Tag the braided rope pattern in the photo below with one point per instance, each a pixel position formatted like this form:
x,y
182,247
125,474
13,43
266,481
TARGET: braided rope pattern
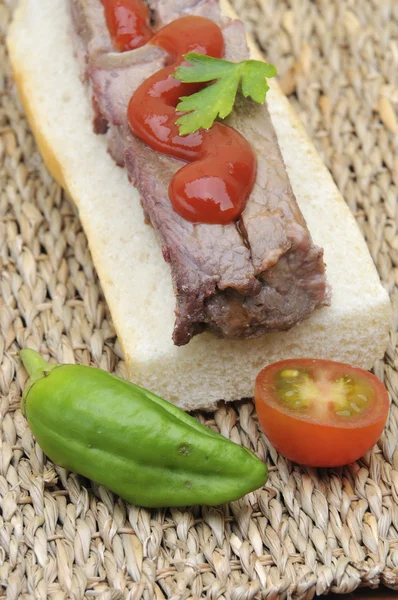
x,y
307,531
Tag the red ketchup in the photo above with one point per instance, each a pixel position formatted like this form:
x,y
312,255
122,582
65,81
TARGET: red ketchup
x,y
128,23
215,186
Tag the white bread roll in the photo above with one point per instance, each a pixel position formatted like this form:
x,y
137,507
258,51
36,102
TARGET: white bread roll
x,y
135,278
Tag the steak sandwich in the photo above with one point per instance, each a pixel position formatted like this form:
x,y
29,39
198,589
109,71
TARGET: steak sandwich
x,y
244,292
259,274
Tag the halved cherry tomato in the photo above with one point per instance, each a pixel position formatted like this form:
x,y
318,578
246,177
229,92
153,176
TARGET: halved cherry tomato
x,y
319,412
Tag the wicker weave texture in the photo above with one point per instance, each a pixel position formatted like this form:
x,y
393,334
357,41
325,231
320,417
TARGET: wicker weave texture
x,y
307,531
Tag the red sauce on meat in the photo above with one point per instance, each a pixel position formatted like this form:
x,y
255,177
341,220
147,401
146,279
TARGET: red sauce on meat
x,y
216,183
128,23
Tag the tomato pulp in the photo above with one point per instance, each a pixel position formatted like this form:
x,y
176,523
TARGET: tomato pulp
x,y
215,185
320,413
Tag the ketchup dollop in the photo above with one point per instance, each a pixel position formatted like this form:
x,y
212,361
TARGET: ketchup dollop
x,y
128,23
215,186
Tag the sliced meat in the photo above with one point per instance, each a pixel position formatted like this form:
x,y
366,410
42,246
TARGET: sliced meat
x,y
165,11
236,48
239,280
272,220
290,291
203,258
90,26
116,143
115,77
91,38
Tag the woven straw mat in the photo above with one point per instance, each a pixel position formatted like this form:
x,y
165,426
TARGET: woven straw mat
x,y
306,532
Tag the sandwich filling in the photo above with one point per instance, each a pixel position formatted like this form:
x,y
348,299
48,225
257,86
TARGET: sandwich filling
x,y
258,274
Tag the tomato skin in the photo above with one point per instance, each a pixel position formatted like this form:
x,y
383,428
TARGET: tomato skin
x,y
313,442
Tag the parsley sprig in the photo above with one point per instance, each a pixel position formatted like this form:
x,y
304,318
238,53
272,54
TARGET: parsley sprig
x,y
218,99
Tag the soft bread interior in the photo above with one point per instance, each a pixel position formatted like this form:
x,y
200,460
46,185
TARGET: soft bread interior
x,y
136,280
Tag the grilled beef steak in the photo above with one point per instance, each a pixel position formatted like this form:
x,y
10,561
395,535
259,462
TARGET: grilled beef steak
x,y
239,280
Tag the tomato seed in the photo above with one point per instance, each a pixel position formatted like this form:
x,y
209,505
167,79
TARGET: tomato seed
x,y
362,397
289,373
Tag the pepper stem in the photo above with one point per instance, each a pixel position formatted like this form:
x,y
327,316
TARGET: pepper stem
x,y
35,365
37,368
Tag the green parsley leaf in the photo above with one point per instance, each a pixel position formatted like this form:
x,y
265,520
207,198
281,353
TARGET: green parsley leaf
x,y
218,99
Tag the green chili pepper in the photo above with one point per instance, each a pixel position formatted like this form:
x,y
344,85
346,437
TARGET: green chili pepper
x,y
138,445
